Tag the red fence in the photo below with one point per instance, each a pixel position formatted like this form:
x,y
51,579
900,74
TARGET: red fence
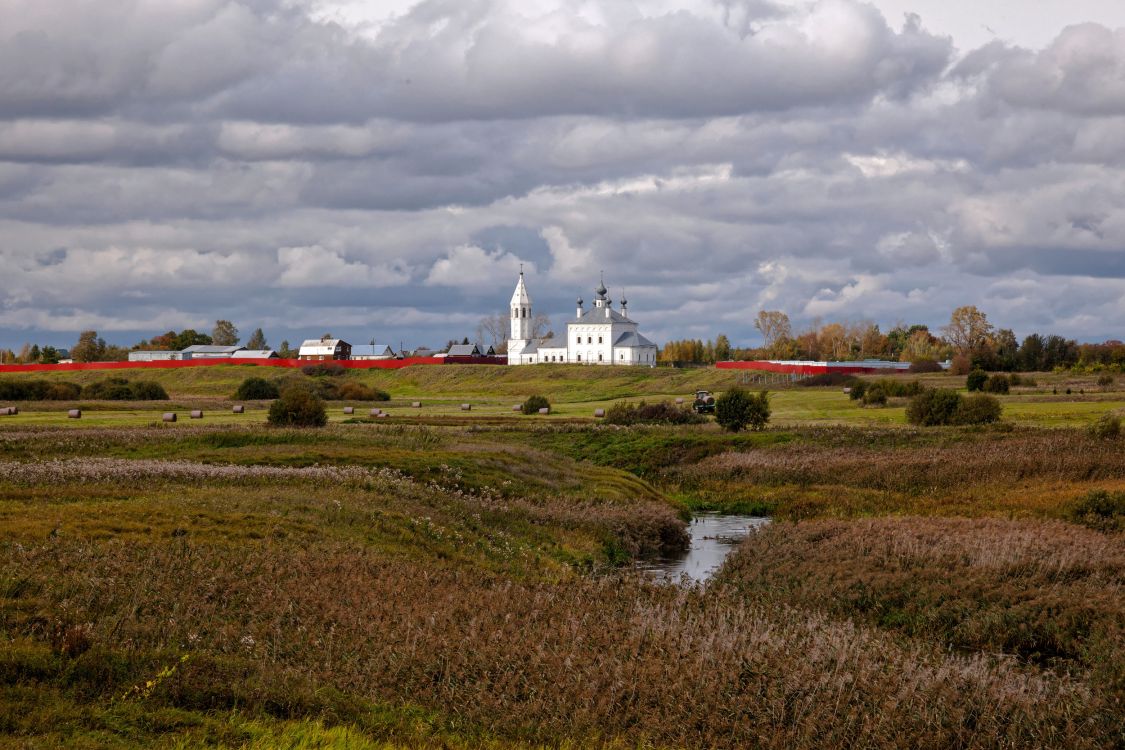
x,y
812,368
351,364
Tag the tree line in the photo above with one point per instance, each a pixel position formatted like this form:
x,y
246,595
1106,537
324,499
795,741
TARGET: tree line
x,y
969,341
91,347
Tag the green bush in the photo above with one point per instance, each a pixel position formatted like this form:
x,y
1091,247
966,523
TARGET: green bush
x,y
976,380
120,389
1107,427
353,391
322,369
876,395
978,408
933,407
1105,380
255,388
858,390
534,403
298,407
661,412
998,384
1101,510
63,392
738,410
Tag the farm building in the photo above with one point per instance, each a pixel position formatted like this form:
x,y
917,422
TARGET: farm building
x,y
159,355
255,354
372,351
325,348
209,351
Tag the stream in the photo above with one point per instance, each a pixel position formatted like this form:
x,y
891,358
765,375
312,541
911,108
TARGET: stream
x,y
713,537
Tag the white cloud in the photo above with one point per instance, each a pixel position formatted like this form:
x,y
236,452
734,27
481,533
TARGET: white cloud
x,y
472,268
316,266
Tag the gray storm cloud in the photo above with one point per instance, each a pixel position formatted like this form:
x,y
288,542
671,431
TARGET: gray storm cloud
x,y
164,164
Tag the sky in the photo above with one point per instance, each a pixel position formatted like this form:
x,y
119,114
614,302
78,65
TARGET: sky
x,y
382,169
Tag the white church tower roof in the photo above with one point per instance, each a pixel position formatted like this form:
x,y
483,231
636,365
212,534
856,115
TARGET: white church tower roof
x,y
520,297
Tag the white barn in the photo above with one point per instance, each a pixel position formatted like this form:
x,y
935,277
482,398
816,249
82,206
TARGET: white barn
x,y
324,348
599,336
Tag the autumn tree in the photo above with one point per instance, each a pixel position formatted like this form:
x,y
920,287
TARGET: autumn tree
x,y
722,348
774,326
257,340
89,347
921,346
224,333
968,330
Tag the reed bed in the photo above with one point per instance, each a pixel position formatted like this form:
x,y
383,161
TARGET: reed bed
x,y
908,465
596,661
1047,592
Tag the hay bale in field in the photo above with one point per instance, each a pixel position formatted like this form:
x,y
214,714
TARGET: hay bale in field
x,y
599,412
545,410
680,400
74,414
9,411
197,414
382,414
416,404
3,412
375,412
239,409
517,407
349,410
466,407
169,416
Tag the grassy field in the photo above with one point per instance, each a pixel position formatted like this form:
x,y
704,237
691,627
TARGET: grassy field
x,y
449,579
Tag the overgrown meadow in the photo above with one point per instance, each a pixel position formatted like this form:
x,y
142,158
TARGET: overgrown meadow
x,y
427,580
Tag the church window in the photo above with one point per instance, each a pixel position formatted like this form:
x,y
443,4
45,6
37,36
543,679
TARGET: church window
x,y
599,339
599,357
579,357
589,339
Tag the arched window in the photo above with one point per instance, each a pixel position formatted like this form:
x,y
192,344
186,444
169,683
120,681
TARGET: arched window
x,y
579,357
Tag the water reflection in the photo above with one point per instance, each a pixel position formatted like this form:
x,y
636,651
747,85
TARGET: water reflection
x,y
713,537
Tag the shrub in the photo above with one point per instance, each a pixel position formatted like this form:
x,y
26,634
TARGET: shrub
x,y
255,388
997,384
959,365
979,408
737,410
353,391
1107,427
933,407
1101,510
925,365
62,392
976,380
534,404
661,412
896,388
876,395
835,379
1105,380
120,389
858,390
298,407
321,369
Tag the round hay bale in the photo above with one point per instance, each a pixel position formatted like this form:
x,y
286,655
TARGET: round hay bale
x,y
545,410
382,415
239,409
517,407
169,416
197,414
680,400
74,414
466,407
417,404
375,412
349,410
4,412
599,412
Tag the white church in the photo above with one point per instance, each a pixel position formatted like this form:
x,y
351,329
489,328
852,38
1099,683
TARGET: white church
x,y
599,336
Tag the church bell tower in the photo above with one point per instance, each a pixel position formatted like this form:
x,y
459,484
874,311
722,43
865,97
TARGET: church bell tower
x,y
521,311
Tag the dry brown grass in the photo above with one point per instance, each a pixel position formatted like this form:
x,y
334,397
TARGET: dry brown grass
x,y
1048,592
593,660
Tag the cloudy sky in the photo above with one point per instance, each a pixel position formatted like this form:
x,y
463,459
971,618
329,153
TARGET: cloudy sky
x,y
381,169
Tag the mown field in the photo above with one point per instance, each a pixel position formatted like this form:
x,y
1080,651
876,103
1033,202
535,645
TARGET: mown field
x,y
447,579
